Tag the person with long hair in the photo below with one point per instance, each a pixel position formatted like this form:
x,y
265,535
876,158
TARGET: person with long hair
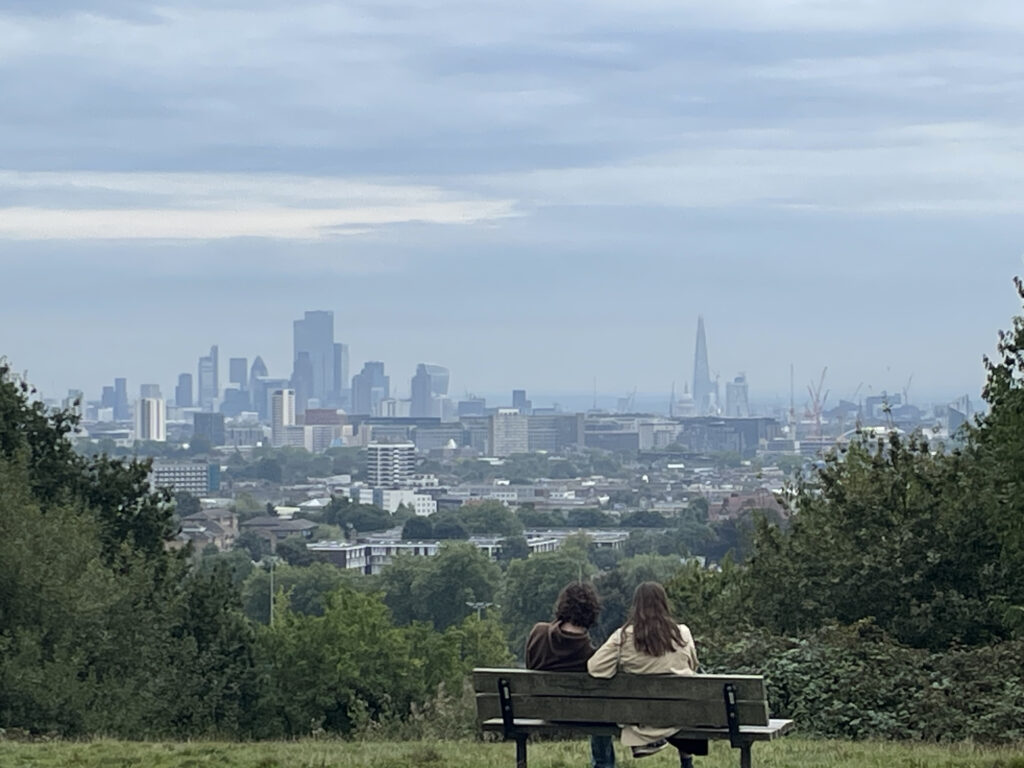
x,y
563,645
650,643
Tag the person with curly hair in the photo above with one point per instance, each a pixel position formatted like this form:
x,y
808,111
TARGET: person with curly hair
x,y
563,645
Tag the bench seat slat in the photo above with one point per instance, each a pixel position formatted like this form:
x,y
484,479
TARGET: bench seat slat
x,y
656,712
773,730
580,684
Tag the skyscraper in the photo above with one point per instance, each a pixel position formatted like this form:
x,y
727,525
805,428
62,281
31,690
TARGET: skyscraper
x,y
302,381
282,415
149,390
238,372
520,403
369,387
705,391
150,419
258,371
209,386
340,372
737,403
429,383
183,392
314,336
122,411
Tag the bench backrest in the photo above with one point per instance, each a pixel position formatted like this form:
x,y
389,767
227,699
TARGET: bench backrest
x,y
656,700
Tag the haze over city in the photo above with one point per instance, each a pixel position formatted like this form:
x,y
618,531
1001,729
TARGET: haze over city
x,y
530,195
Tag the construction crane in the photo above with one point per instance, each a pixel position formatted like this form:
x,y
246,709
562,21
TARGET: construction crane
x,y
817,405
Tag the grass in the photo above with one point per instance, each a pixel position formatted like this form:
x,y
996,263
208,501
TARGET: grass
x,y
786,753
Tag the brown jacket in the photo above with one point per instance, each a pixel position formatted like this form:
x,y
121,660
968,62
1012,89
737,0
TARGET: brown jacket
x,y
550,647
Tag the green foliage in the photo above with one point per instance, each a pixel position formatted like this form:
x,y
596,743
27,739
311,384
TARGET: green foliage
x,y
418,528
532,585
855,682
437,590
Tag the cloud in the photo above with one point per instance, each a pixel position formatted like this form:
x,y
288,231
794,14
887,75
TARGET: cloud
x,y
216,206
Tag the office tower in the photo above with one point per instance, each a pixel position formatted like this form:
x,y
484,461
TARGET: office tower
x,y
520,403
509,432
390,464
150,419
107,399
302,381
705,391
314,336
262,395
369,387
737,404
340,372
209,386
258,371
122,411
183,392
429,384
238,372
150,390
282,415
209,426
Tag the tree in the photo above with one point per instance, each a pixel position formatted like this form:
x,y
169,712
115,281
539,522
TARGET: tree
x,y
185,504
418,528
439,589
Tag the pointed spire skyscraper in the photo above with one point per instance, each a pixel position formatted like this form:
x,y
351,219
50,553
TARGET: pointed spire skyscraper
x,y
705,396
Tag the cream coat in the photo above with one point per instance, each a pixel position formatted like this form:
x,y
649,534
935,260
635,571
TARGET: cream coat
x,y
619,653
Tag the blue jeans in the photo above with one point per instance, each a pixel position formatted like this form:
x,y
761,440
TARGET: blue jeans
x,y
602,752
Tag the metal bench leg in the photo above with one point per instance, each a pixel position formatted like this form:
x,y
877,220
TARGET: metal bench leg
x,y
745,755
520,750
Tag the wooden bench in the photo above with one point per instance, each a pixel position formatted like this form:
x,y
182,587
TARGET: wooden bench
x,y
518,702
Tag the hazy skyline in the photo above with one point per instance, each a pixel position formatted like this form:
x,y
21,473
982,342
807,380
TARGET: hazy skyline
x,y
529,194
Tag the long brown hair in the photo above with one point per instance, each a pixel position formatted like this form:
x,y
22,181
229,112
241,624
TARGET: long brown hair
x,y
654,631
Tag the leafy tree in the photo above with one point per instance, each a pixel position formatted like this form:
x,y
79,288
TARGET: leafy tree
x,y
643,518
293,551
588,518
514,548
489,517
185,504
418,528
439,589
532,585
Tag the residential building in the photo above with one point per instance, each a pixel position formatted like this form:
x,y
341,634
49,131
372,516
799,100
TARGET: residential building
x,y
151,419
282,415
196,477
509,432
209,426
390,464
217,526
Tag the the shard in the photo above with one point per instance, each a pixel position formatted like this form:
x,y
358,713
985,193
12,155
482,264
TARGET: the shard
x,y
705,392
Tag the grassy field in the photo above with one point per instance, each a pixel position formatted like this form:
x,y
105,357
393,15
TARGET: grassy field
x,y
789,752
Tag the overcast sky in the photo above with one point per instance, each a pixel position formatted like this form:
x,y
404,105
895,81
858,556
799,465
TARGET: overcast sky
x,y
532,193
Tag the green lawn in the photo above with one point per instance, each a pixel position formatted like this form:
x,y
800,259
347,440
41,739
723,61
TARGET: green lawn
x,y
789,752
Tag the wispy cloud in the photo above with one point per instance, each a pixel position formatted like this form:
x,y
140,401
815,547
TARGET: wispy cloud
x,y
84,205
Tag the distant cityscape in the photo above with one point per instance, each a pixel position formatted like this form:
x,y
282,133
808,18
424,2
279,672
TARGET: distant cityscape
x,y
320,404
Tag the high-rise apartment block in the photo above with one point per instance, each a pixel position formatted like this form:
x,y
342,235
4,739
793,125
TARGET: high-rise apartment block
x,y
390,464
509,432
150,419
282,415
209,426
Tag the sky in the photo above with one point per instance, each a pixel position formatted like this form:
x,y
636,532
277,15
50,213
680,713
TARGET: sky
x,y
533,194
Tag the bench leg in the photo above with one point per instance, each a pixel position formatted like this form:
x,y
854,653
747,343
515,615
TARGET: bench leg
x,y
520,750
745,755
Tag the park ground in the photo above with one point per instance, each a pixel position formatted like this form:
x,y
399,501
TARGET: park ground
x,y
786,753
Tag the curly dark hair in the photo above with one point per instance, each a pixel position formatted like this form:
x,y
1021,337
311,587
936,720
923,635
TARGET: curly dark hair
x,y
578,604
